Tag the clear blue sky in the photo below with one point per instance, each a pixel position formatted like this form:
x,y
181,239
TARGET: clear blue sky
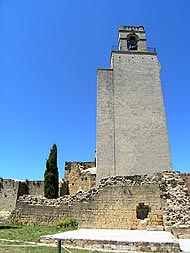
x,y
49,53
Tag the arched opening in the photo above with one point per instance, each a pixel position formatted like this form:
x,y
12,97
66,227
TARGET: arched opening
x,y
132,41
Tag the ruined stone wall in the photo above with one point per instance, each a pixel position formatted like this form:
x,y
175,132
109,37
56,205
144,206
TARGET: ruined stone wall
x,y
124,202
8,194
78,176
186,178
11,190
176,204
114,206
63,187
121,202
36,187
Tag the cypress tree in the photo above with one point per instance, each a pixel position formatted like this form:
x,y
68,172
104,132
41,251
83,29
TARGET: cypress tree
x,y
51,176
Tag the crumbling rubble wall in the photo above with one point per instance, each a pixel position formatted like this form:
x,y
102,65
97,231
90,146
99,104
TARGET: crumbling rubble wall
x,y
186,178
176,204
112,206
124,202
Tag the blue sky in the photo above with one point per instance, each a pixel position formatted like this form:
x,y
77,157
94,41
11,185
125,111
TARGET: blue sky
x,y
49,54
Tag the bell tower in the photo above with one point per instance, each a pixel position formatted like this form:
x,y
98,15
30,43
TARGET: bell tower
x,y
132,38
132,136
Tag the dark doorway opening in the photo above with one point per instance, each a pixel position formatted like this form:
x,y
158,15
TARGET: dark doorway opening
x,y
142,211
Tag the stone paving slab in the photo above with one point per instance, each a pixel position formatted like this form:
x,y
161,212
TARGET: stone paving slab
x,y
116,235
120,240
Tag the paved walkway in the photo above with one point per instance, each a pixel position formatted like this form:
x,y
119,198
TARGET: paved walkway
x,y
122,236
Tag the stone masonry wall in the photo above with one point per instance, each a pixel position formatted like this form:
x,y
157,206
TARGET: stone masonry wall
x,y
141,138
176,206
78,176
114,206
36,187
131,122
186,178
125,202
105,124
8,194
11,189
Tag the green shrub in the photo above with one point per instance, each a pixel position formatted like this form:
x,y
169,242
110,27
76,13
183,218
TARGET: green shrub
x,y
68,223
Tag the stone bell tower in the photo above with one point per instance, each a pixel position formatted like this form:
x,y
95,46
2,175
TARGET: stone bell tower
x,y
132,135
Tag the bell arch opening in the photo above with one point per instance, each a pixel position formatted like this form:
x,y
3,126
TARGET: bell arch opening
x,y
132,42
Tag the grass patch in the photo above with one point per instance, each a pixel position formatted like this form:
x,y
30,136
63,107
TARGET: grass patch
x,y
27,233
26,249
20,234
20,248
